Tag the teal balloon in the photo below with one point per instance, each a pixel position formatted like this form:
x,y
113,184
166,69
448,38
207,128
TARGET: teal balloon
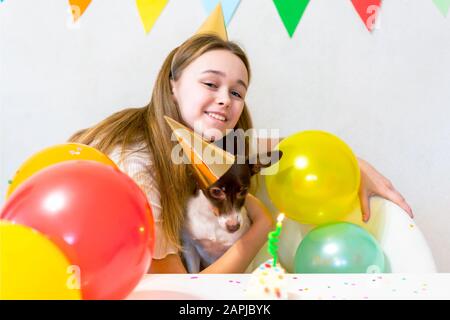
x,y
339,248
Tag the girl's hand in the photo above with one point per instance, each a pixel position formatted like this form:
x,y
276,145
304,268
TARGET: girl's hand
x,y
373,183
257,212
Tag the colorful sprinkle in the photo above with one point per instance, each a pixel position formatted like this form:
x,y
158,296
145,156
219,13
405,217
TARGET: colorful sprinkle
x,y
194,277
277,292
9,181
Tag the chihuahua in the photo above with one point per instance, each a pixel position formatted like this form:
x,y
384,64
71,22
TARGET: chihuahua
x,y
216,217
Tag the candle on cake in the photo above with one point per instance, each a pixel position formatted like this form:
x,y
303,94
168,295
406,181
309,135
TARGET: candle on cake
x,y
274,237
268,281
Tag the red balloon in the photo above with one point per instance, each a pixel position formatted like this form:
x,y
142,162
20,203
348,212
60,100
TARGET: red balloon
x,y
99,218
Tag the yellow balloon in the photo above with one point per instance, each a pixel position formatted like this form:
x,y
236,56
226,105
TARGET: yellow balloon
x,y
317,180
32,267
53,155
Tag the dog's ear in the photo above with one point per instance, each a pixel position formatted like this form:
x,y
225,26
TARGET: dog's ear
x,y
263,160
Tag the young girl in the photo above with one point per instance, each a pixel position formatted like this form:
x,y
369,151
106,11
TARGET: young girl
x,y
202,84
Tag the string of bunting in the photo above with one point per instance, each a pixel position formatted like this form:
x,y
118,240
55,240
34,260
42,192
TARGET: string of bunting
x,y
290,11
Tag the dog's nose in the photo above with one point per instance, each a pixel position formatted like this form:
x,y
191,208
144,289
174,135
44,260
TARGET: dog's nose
x,y
233,227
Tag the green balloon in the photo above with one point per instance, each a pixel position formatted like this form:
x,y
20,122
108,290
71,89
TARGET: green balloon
x,y
339,248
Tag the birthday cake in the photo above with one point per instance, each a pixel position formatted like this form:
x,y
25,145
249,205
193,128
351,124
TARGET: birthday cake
x,y
267,282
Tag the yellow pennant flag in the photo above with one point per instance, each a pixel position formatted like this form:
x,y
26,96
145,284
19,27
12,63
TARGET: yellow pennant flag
x,y
78,7
149,10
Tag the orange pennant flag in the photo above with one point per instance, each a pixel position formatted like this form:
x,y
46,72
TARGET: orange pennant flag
x,y
78,7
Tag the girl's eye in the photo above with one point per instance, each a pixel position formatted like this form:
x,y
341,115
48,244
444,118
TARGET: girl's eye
x,y
209,84
217,193
237,94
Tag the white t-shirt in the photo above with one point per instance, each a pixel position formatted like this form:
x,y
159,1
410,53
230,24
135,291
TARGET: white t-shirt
x,y
138,165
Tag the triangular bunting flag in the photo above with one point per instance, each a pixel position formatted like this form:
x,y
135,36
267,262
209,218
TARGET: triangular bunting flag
x,y
150,10
215,24
443,6
228,7
78,7
368,11
291,11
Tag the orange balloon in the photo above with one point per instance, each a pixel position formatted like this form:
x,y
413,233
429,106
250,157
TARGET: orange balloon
x,y
53,155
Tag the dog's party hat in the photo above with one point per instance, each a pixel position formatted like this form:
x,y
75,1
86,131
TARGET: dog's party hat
x,y
215,24
208,161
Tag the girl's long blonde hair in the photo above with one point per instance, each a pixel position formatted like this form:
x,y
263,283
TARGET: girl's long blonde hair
x,y
147,124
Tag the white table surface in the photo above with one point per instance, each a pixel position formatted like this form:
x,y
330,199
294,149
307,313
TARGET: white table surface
x,y
300,286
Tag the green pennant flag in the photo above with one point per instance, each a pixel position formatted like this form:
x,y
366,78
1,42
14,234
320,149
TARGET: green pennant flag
x,y
291,11
443,6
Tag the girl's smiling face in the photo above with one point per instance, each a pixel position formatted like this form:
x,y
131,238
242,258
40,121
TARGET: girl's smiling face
x,y
210,92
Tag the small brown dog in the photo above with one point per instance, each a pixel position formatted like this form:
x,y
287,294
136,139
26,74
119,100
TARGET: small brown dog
x,y
216,217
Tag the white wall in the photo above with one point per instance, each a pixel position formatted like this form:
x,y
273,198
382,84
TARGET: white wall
x,y
386,94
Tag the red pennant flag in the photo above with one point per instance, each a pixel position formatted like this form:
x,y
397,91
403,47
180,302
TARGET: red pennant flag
x,y
368,11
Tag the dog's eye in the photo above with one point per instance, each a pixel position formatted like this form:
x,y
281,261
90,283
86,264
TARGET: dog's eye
x,y
217,193
243,192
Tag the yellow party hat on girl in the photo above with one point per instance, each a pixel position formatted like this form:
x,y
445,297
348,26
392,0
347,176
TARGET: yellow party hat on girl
x,y
215,24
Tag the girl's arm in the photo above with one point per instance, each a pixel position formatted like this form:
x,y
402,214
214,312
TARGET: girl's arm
x,y
374,183
170,264
240,255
